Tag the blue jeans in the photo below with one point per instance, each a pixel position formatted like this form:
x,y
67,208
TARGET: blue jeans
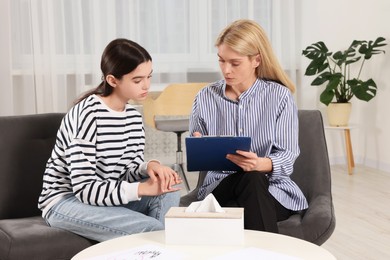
x,y
103,223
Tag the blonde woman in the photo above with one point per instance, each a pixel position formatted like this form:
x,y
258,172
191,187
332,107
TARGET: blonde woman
x,y
254,99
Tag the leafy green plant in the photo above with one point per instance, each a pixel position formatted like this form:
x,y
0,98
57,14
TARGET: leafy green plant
x,y
333,69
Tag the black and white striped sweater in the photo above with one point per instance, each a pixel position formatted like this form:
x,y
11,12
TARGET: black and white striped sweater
x,y
98,156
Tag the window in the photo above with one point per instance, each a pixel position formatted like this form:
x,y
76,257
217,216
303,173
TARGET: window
x,y
57,44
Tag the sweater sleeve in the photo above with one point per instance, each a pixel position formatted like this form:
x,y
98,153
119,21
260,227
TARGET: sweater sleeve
x,y
91,188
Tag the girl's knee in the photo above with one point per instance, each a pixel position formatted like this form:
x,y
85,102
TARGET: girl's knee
x,y
172,198
155,226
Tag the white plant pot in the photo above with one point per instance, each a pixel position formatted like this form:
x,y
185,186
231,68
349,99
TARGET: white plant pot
x,y
339,113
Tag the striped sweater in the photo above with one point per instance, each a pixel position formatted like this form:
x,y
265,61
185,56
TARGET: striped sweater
x,y
267,113
98,156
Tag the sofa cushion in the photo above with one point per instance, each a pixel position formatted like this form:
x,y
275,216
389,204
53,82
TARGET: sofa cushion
x,y
31,238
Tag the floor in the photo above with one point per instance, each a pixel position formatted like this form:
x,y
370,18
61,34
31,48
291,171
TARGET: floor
x,y
362,208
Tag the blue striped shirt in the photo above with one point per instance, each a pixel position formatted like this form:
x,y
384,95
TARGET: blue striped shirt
x,y
267,113
98,156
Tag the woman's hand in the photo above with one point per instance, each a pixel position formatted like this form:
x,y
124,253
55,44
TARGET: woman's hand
x,y
162,179
197,134
249,161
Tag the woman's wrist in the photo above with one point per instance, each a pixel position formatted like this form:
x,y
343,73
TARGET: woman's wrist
x,y
265,164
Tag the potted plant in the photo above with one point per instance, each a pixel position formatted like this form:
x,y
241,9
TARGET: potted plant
x,y
334,70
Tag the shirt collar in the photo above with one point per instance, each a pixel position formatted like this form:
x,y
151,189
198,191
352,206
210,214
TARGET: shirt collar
x,y
243,95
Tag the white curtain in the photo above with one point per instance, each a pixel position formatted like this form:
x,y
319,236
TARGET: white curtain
x,y
52,48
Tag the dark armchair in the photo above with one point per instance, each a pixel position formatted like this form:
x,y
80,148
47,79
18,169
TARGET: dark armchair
x,y
25,146
313,176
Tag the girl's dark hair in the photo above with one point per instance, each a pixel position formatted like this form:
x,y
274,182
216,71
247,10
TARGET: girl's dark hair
x,y
120,57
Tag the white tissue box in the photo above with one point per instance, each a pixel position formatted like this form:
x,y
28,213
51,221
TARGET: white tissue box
x,y
207,228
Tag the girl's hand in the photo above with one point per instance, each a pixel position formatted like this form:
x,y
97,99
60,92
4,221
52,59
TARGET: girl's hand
x,y
152,188
165,176
249,161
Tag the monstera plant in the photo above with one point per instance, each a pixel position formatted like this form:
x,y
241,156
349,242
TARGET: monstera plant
x,y
334,70
341,71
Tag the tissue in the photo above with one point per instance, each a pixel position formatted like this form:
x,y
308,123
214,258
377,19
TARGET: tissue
x,y
209,204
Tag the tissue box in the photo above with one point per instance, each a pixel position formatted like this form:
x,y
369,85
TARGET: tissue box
x,y
207,228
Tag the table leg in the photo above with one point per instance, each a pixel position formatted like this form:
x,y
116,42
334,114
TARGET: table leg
x,y
348,147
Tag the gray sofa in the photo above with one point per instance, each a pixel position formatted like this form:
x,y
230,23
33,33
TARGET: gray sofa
x,y
312,174
25,145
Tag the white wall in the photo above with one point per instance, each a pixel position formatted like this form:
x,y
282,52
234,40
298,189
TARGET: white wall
x,y
337,23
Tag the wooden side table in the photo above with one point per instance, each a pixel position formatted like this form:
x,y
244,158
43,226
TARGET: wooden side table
x,y
348,145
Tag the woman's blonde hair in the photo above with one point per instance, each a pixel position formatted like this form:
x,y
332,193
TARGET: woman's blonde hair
x,y
248,38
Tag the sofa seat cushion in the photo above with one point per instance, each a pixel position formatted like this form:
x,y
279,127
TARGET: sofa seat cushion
x,y
31,238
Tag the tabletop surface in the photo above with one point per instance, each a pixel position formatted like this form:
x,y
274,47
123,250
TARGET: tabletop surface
x,y
267,245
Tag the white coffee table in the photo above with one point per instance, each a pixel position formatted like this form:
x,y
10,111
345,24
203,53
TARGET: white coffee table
x,y
253,239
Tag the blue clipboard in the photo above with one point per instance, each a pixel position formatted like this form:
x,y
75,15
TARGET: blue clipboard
x,y
208,153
